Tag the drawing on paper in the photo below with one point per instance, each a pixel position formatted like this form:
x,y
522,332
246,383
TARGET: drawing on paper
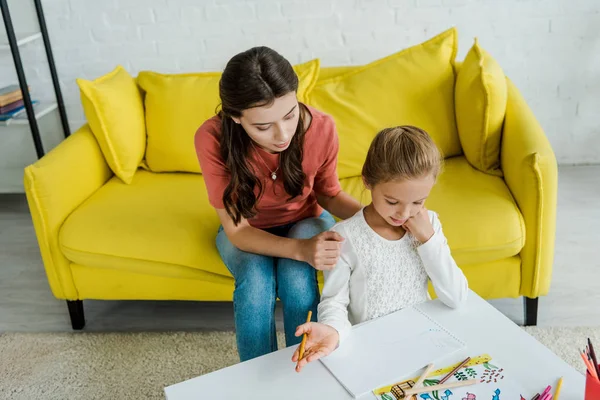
x,y
493,384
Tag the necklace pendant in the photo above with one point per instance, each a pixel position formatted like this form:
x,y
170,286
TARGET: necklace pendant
x,y
274,176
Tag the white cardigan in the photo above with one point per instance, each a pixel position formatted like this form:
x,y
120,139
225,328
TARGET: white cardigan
x,y
375,276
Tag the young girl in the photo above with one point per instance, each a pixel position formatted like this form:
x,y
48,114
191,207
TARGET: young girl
x,y
392,248
269,165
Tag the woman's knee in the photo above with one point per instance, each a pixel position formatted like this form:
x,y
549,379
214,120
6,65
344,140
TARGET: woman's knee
x,y
255,288
240,262
296,282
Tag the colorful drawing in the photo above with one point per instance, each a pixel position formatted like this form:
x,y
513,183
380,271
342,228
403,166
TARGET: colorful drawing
x,y
468,373
398,390
477,360
447,394
489,366
493,381
436,396
492,375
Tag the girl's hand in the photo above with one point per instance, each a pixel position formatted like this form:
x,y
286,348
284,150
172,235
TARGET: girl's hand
x,y
420,226
321,340
322,251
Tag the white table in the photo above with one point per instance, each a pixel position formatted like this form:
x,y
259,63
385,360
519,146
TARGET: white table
x,y
478,324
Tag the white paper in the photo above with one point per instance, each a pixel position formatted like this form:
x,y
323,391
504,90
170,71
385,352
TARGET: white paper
x,y
388,348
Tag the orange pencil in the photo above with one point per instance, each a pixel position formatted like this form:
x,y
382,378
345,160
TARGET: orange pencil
x,y
588,364
303,343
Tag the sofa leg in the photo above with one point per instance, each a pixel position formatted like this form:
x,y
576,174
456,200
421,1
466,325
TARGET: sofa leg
x,y
531,310
76,314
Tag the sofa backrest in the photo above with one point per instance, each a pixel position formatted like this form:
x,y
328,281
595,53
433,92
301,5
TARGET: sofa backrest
x,y
412,87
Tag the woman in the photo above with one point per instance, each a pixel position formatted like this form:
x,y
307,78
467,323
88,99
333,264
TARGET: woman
x,y
269,165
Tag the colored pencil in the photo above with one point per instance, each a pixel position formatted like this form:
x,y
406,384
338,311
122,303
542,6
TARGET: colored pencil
x,y
594,360
422,378
303,343
459,366
558,386
545,392
587,363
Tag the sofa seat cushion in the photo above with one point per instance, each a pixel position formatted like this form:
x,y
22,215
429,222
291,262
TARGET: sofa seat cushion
x,y
479,215
160,224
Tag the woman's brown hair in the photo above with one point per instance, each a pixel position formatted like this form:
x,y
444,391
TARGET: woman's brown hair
x,y
402,152
255,78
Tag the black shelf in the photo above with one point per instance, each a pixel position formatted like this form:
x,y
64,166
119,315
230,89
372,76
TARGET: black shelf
x,y
16,55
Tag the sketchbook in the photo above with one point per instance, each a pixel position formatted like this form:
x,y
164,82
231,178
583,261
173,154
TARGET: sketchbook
x,y
388,348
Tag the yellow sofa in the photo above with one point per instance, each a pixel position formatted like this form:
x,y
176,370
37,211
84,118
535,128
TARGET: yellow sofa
x,y
153,238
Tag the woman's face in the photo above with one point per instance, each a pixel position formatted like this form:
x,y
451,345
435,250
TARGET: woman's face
x,y
273,126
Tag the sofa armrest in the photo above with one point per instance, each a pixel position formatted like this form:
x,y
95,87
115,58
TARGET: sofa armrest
x,y
530,171
55,186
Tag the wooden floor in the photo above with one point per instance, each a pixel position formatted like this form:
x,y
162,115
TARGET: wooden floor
x,y
26,303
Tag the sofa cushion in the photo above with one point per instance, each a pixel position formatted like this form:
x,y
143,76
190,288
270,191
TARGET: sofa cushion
x,y
176,106
114,109
481,95
160,224
414,86
479,215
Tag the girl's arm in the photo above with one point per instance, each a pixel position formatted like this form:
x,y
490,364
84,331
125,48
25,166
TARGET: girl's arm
x,y
333,327
448,280
320,251
335,298
341,205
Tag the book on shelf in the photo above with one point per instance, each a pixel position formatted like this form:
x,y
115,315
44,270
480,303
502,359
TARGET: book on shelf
x,y
12,106
19,113
10,94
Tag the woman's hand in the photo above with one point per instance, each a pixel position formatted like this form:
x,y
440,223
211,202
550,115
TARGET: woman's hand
x,y
420,226
320,341
321,251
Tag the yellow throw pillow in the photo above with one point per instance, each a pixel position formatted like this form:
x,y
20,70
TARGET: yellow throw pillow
x,y
176,106
114,109
412,87
481,96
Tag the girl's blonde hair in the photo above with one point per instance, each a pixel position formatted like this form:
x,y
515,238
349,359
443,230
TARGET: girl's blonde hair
x,y
399,153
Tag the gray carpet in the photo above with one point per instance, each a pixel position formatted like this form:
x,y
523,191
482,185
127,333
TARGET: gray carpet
x,y
139,365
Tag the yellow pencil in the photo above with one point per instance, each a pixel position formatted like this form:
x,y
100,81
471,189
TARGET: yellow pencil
x,y
557,392
303,343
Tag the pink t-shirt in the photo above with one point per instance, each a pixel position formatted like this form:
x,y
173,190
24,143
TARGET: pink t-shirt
x,y
273,208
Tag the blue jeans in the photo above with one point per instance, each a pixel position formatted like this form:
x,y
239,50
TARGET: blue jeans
x,y
260,280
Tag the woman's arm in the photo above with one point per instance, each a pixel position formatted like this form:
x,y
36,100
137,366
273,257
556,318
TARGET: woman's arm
x,y
321,251
341,205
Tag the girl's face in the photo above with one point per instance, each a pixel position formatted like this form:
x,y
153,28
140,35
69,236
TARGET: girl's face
x,y
397,201
272,127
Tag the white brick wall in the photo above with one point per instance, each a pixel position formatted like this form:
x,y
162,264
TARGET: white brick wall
x,y
549,48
